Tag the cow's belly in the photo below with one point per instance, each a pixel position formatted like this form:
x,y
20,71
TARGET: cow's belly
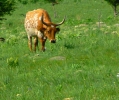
x,y
32,32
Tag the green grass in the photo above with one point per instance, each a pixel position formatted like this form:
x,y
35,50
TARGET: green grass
x,y
82,65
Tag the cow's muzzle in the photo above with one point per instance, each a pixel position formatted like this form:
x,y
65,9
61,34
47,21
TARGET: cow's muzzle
x,y
53,41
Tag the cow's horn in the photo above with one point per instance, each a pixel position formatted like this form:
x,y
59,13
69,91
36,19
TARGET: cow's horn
x,y
47,24
61,22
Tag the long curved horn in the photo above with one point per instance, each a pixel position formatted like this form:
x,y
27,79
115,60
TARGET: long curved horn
x,y
61,22
47,24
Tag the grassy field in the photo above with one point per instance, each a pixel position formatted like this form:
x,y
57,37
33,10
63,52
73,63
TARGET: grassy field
x,y
82,65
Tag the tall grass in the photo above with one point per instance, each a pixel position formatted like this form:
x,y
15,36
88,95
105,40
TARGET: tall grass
x,y
82,65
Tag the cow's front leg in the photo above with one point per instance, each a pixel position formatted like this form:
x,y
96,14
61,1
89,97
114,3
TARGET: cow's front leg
x,y
42,41
35,43
30,42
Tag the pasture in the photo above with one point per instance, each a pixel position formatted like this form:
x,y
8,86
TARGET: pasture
x,y
82,65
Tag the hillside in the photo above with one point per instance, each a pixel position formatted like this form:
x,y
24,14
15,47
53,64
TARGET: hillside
x,y
82,65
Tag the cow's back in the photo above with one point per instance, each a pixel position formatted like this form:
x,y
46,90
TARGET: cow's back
x,y
33,19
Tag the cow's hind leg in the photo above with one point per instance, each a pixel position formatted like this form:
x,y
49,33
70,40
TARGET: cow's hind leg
x,y
35,43
30,42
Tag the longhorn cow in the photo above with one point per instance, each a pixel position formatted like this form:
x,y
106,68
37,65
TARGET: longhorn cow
x,y
38,25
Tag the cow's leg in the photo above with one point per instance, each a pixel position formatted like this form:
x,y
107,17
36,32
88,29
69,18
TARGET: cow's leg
x,y
35,43
30,42
42,41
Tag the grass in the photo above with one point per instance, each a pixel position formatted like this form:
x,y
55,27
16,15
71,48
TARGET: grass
x,y
82,65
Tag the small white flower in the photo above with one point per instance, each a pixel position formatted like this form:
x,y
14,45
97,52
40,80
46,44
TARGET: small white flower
x,y
18,95
117,74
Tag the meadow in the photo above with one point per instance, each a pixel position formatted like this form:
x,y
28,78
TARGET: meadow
x,y
82,65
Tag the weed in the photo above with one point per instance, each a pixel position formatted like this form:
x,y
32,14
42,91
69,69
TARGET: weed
x,y
12,62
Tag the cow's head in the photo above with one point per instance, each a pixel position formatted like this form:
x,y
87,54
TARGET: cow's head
x,y
51,30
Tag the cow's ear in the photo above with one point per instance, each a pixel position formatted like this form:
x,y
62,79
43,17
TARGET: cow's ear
x,y
58,29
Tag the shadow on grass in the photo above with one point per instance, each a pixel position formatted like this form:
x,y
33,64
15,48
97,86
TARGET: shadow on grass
x,y
69,46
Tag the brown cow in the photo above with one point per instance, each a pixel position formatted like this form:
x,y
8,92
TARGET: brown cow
x,y
38,25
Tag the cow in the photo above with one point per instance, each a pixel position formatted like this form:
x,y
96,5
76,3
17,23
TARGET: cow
x,y
38,25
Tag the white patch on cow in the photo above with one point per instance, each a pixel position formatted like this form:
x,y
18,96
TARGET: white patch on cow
x,y
35,24
29,23
52,25
40,34
35,17
31,32
40,18
44,38
35,21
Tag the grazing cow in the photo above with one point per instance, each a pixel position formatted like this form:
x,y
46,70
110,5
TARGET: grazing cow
x,y
38,25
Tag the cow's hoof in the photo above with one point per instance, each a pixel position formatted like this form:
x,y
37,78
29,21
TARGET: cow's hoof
x,y
43,49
